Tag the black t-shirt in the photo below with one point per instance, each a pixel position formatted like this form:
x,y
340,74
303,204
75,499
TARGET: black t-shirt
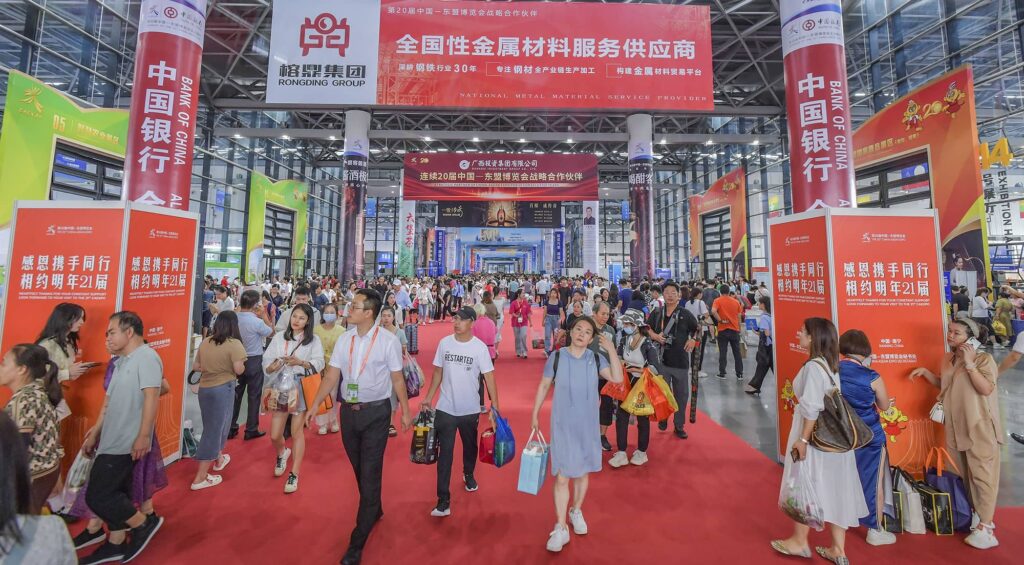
x,y
962,302
686,326
564,293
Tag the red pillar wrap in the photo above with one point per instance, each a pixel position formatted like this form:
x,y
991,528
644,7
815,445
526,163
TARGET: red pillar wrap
x,y
817,105
165,97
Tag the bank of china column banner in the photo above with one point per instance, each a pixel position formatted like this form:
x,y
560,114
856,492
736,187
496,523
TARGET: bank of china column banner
x,y
729,191
36,118
938,122
289,194
434,53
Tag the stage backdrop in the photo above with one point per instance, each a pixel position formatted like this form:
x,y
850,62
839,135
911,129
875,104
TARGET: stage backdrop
x,y
729,191
848,265
498,176
939,121
289,194
499,214
434,53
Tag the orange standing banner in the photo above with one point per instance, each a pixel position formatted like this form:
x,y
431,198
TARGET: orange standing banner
x,y
938,122
58,254
159,277
729,191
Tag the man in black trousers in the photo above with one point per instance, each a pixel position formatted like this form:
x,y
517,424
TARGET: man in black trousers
x,y
368,362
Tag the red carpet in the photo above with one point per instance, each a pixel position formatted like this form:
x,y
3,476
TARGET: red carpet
x,y
709,499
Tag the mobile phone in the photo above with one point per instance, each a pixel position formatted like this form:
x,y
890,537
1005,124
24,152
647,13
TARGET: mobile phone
x,y
973,342
795,455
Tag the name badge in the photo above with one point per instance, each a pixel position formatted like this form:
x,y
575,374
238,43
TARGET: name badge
x,y
352,393
519,320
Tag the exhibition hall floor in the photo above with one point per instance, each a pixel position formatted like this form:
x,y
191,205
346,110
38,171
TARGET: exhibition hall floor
x,y
709,499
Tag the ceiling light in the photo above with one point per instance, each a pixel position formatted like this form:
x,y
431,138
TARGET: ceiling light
x,y
375,150
521,140
442,149
427,138
237,136
709,142
664,141
476,140
400,151
604,188
599,153
568,140
331,137
860,94
756,142
285,137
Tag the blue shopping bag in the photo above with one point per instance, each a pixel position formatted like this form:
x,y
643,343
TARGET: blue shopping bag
x,y
504,441
533,464
951,484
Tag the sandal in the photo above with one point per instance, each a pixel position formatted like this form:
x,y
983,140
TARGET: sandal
x,y
221,462
839,560
780,546
209,481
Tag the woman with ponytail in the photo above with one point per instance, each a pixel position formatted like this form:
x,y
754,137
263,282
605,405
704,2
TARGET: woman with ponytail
x,y
30,374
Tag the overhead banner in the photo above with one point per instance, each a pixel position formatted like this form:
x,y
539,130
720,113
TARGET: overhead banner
x,y
290,195
500,214
165,98
938,121
436,53
498,176
406,251
817,103
729,191
440,250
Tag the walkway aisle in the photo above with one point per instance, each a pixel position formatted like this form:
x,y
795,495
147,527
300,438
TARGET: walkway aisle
x,y
710,499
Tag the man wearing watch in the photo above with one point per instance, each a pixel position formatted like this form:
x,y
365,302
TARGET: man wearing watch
x,y
675,329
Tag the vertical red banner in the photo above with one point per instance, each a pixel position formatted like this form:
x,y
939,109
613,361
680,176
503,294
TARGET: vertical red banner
x,y
60,254
165,97
729,191
799,257
817,104
159,268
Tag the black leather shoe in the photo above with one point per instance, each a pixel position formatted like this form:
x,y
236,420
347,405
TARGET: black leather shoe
x,y
1017,438
254,435
233,433
352,557
681,434
663,425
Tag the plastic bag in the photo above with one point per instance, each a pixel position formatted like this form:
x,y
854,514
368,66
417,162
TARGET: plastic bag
x,y
663,409
281,395
798,500
533,464
637,403
537,341
617,391
504,441
425,447
78,473
189,445
413,376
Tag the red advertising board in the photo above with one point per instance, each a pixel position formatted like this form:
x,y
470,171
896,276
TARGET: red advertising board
x,y
58,254
498,176
888,262
729,191
165,98
158,281
799,260
937,122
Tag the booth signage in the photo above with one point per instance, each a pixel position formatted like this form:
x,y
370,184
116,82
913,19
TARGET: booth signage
x,y
500,214
729,191
435,53
499,176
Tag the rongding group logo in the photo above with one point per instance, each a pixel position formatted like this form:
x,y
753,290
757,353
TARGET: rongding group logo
x,y
324,32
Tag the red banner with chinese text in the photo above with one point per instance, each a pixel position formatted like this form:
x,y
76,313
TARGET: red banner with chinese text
x,y
938,122
729,191
158,282
498,176
165,97
60,254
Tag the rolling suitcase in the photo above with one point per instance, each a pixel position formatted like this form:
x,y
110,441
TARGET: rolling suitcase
x,y
412,333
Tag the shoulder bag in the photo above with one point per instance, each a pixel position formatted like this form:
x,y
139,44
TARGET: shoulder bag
x,y
838,429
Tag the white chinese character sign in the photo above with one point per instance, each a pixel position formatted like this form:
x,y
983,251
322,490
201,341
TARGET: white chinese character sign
x,y
165,97
490,55
817,104
876,271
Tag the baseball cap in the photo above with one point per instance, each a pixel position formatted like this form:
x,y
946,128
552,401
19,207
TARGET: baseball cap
x,y
466,313
396,282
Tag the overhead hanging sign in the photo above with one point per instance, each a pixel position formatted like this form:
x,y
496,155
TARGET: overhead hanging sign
x,y
487,55
482,176
500,214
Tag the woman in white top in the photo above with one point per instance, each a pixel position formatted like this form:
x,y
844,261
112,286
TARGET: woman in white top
x,y
425,299
291,355
387,322
981,313
500,302
696,306
636,352
392,302
833,476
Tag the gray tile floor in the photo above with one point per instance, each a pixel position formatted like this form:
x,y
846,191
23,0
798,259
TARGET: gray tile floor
x,y
753,417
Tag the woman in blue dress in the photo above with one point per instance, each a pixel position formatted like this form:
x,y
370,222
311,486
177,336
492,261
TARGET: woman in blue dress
x,y
865,390
575,422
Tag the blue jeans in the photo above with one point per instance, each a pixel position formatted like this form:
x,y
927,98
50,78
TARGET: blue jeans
x,y
424,311
550,327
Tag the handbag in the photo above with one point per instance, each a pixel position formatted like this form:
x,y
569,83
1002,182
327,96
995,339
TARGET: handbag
x,y
310,385
189,445
533,464
937,413
425,447
950,483
938,509
537,342
913,513
894,523
838,429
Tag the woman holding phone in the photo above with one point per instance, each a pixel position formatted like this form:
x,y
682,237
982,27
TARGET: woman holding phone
x,y
833,476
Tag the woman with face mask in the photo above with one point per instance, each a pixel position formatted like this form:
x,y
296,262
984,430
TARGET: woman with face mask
x,y
865,390
329,330
974,429
636,352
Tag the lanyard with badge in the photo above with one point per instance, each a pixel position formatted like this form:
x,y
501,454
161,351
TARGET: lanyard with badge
x,y
352,387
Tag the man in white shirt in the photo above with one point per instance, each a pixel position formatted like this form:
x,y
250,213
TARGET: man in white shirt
x,y
458,363
368,363
302,296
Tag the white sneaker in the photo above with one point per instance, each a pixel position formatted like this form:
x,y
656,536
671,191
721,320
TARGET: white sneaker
x,y
292,484
982,538
639,457
221,462
282,462
619,460
209,481
558,538
335,428
975,520
322,431
701,374
579,525
881,537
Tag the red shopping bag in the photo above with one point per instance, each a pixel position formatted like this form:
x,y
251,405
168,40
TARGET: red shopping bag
x,y
487,446
617,391
662,406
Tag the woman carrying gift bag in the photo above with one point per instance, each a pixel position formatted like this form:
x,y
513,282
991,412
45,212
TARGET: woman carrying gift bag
x,y
292,354
575,445
832,477
636,352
